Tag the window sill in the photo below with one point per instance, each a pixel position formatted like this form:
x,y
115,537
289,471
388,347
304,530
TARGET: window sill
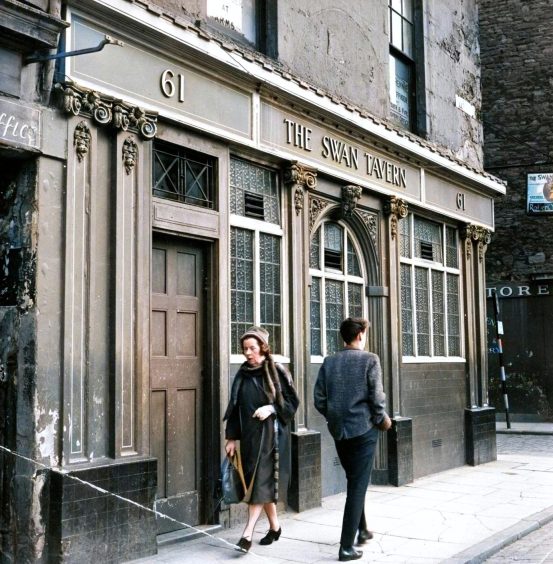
x,y
432,359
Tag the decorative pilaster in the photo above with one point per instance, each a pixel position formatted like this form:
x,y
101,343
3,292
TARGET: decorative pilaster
x,y
299,178
396,209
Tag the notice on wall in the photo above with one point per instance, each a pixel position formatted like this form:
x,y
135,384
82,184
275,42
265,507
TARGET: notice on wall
x,y
540,192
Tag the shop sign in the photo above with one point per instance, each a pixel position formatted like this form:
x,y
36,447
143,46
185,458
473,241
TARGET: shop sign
x,y
511,290
19,124
540,192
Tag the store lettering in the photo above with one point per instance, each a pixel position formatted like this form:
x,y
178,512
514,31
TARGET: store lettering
x,y
345,154
12,128
518,291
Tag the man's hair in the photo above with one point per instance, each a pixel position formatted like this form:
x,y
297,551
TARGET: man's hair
x,y
351,327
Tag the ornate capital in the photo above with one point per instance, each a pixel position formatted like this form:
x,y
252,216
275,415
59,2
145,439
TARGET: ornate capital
x,y
350,196
130,152
397,209
476,234
300,177
105,110
81,140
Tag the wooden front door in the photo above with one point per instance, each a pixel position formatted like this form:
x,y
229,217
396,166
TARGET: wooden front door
x,y
176,363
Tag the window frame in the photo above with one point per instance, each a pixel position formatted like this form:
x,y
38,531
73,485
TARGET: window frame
x,y
258,226
432,266
331,274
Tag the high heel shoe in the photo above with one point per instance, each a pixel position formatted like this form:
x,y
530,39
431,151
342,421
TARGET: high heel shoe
x,y
271,536
244,544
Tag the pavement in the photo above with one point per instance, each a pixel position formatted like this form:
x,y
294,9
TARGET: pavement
x,y
463,515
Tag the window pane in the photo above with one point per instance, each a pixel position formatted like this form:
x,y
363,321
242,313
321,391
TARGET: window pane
x,y
334,299
315,251
270,289
408,10
396,39
407,39
396,5
406,311
438,314
453,328
241,285
183,175
355,300
354,267
400,88
422,311
315,317
405,237
260,182
333,246
452,255
428,240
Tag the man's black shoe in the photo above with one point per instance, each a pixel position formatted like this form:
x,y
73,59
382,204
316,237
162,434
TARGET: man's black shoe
x,y
364,536
349,553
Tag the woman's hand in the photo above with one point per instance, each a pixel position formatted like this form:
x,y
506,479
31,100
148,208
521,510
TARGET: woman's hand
x,y
230,447
263,412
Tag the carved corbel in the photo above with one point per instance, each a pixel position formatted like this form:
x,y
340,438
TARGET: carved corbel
x,y
397,209
105,110
300,177
484,238
351,194
130,153
316,207
470,234
81,140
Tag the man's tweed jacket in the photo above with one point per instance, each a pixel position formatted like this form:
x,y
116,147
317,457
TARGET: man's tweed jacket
x,y
349,393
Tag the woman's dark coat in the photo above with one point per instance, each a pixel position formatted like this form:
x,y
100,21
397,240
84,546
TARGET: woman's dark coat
x,y
248,393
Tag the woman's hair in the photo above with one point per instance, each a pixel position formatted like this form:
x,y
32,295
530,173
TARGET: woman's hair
x,y
351,327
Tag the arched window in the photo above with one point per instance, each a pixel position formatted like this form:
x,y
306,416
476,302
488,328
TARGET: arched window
x,y
337,285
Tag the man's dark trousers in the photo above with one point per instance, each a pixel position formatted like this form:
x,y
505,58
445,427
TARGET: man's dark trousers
x,y
356,456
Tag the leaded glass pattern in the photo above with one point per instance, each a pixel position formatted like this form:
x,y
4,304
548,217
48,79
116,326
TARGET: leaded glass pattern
x,y
354,267
405,238
334,301
438,313
315,251
183,175
255,179
406,311
355,300
270,288
242,287
428,233
452,254
315,317
453,319
422,311
333,237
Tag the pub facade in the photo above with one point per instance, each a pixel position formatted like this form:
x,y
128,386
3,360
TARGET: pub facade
x,y
187,190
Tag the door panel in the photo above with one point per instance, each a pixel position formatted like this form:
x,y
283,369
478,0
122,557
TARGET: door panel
x,y
176,379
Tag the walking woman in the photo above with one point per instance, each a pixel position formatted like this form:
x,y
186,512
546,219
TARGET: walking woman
x,y
262,403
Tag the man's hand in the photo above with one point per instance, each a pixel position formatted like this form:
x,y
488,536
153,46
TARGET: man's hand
x,y
385,424
230,447
263,412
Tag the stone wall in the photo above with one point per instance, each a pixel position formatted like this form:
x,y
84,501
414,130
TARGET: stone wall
x,y
517,47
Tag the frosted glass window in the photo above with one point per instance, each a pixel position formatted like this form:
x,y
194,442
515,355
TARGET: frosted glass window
x,y
242,289
452,253
422,311
315,317
453,319
406,311
404,238
355,300
334,299
269,288
438,313
315,250
354,267
428,240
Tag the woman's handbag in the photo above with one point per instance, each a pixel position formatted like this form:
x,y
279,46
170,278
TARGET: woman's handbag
x,y
232,479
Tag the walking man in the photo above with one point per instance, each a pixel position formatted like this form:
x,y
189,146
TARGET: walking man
x,y
349,394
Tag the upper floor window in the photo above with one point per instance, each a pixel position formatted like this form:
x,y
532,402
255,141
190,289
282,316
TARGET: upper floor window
x,y
337,285
402,62
183,175
252,20
430,289
255,253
